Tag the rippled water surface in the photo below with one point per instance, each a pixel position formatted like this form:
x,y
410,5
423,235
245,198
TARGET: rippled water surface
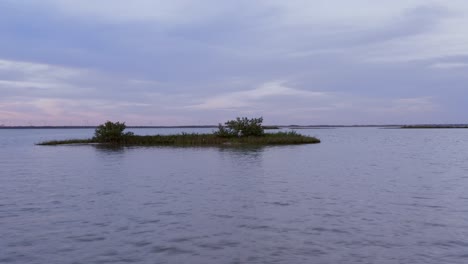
x,y
364,195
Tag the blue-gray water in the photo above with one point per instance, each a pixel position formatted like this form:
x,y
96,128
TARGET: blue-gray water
x,y
364,195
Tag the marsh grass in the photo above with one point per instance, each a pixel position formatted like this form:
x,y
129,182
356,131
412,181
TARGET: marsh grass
x,y
67,141
193,139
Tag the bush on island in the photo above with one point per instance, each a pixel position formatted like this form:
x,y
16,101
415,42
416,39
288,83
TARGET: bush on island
x,y
241,127
110,132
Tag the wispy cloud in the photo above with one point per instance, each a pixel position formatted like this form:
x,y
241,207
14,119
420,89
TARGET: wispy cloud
x,y
249,98
412,105
449,65
38,70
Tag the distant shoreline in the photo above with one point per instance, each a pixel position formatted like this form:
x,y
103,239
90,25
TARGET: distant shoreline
x,y
265,127
433,126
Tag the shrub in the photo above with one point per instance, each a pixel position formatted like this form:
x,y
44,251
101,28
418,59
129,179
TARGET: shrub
x,y
241,127
223,132
110,132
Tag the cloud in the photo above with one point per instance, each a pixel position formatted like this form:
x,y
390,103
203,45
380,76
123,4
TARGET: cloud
x,y
449,65
441,36
199,62
37,80
293,12
250,98
38,91
33,80
281,104
409,105
172,13
37,71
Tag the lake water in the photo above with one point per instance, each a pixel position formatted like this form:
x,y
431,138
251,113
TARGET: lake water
x,y
364,195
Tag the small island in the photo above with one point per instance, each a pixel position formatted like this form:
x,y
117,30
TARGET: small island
x,y
238,132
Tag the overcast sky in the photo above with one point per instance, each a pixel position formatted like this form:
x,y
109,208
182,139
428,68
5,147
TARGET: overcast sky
x,y
149,62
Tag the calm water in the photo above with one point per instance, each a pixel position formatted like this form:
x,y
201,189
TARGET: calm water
x,y
364,195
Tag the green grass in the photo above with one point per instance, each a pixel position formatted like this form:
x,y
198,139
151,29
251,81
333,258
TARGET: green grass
x,y
281,138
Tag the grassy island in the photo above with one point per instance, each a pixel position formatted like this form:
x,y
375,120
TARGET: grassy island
x,y
242,131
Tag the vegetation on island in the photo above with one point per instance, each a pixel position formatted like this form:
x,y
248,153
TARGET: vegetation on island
x,y
111,132
241,127
241,131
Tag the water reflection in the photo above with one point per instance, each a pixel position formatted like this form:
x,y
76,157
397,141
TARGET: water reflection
x,y
239,151
109,148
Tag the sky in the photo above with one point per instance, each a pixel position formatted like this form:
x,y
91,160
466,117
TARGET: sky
x,y
182,62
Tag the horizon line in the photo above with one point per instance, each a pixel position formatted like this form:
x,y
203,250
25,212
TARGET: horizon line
x,y
214,126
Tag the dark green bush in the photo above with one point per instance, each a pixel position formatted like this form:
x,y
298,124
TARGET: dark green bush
x,y
241,127
224,132
110,132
